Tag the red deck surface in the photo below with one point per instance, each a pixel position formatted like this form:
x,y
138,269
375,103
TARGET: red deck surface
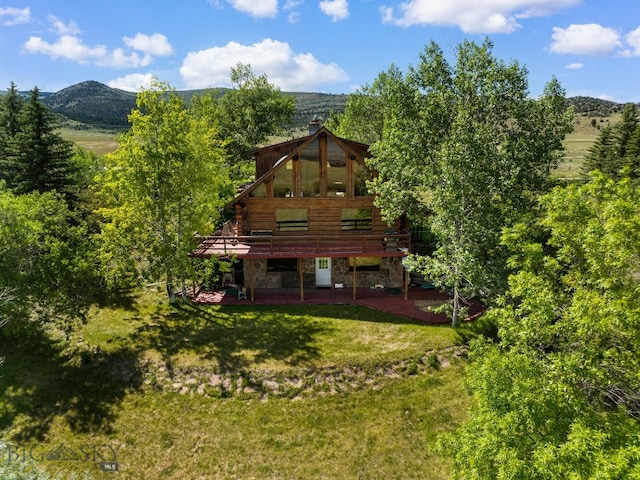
x,y
416,307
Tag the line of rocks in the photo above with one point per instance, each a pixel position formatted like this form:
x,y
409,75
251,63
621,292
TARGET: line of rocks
x,y
294,384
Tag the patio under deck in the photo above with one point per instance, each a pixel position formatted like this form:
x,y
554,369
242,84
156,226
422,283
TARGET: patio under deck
x,y
415,307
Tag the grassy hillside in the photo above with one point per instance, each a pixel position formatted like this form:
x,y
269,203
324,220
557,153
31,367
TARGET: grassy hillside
x,y
92,140
577,143
242,392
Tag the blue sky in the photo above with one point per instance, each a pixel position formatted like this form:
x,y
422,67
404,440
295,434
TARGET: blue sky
x,y
332,46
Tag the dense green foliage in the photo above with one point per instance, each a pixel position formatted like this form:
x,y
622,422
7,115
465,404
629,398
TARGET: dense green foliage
x,y
34,155
465,148
245,116
559,395
10,106
366,109
616,151
166,181
47,266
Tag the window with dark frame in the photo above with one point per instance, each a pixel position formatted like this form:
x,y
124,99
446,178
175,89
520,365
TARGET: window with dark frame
x,y
365,264
282,265
292,220
356,219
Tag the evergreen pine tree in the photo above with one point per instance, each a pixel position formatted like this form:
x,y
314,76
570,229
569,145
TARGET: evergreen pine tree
x,y
10,106
601,153
37,157
625,128
632,159
616,147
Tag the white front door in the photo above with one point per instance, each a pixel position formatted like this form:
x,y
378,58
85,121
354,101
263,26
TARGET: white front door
x,y
323,271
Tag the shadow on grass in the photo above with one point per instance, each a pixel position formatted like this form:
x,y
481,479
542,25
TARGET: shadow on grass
x,y
236,339
482,326
124,299
349,312
39,384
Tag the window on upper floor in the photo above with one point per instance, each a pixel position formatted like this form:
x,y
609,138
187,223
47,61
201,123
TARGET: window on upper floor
x,y
291,220
310,170
322,169
336,170
260,191
357,218
283,183
360,176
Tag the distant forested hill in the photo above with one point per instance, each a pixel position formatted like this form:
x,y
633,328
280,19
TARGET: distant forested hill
x,y
98,105
93,104
594,107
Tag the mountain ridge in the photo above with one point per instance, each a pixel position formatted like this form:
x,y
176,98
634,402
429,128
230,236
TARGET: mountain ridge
x,y
95,105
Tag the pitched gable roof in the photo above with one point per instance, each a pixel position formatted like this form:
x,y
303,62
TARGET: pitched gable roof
x,y
270,159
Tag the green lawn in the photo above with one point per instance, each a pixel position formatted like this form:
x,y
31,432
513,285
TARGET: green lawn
x,y
237,392
578,143
98,142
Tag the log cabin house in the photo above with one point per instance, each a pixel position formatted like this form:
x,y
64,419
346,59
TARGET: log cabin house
x,y
308,221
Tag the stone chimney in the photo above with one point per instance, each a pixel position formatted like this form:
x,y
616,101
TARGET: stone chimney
x,y
314,125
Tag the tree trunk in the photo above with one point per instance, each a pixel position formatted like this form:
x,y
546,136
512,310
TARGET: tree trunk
x,y
183,286
455,314
183,282
171,293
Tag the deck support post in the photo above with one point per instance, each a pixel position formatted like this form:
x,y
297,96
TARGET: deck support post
x,y
406,283
251,278
301,278
355,285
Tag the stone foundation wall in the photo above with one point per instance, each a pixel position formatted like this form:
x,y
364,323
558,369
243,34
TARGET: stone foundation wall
x,y
390,274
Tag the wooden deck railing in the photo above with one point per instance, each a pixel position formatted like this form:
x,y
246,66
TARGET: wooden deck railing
x,y
317,245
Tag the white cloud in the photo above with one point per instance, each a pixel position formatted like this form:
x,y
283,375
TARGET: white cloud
x,y
71,47
633,40
472,16
294,15
336,9
15,16
118,58
290,4
575,66
61,28
156,44
132,83
256,8
588,39
67,46
288,70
